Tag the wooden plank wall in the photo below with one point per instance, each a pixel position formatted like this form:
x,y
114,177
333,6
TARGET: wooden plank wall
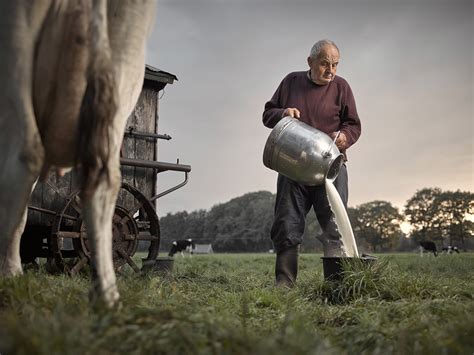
x,y
144,118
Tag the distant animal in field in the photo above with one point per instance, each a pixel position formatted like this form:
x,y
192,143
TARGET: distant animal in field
x,y
180,246
450,249
71,73
428,246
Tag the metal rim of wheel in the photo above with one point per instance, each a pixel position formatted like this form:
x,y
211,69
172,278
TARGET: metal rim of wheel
x,y
129,227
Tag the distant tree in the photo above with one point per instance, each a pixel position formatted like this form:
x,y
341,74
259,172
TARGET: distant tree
x,y
468,226
195,225
378,223
421,213
406,244
241,224
452,209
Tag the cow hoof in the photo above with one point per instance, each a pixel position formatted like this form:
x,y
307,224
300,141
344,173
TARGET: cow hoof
x,y
108,299
11,270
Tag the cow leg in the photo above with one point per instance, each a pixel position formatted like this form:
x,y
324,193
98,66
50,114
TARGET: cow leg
x,y
128,25
21,165
10,262
21,150
20,161
13,261
98,214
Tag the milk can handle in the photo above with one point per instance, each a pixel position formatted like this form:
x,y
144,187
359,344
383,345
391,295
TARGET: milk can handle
x,y
327,154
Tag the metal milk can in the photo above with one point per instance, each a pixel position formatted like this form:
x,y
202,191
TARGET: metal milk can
x,y
302,153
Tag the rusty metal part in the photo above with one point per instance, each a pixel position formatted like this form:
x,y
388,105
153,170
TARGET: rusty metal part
x,y
157,165
70,247
160,167
50,212
147,220
124,239
174,188
132,132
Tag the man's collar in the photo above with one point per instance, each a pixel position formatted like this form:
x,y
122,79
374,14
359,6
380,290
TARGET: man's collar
x,y
308,75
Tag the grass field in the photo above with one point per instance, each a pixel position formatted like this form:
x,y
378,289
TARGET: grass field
x,y
227,304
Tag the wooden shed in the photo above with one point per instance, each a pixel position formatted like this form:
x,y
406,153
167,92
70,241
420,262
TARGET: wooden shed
x,y
54,216
144,119
203,249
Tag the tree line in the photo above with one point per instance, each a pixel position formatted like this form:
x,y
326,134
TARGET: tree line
x,y
243,223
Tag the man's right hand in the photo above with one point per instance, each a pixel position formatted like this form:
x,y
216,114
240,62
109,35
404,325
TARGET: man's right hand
x,y
292,112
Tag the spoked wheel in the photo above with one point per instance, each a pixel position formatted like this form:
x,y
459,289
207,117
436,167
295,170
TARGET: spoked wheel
x,y
132,225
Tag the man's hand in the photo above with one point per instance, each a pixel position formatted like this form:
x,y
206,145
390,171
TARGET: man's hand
x,y
341,141
292,112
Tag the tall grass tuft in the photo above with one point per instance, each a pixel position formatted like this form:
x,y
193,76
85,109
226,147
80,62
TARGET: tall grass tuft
x,y
382,281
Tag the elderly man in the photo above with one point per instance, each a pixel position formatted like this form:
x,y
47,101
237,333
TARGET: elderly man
x,y
325,101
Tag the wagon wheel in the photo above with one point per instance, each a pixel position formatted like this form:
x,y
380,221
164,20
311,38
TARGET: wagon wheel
x,y
70,246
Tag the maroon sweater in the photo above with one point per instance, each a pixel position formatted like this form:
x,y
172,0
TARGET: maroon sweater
x,y
329,108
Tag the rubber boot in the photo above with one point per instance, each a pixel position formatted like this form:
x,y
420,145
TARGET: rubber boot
x,y
286,267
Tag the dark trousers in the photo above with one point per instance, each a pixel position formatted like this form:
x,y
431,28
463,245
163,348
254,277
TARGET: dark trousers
x,y
293,202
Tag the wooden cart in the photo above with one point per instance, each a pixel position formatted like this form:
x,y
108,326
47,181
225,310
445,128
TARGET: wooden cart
x,y
55,229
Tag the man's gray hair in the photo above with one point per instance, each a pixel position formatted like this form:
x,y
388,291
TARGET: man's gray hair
x,y
319,45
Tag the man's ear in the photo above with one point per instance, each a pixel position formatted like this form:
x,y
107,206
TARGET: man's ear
x,y
310,61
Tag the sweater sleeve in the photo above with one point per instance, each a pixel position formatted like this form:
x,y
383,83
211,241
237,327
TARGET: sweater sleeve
x,y
350,122
273,111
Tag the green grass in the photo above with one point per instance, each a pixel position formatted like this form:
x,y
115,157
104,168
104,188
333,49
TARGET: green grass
x,y
227,304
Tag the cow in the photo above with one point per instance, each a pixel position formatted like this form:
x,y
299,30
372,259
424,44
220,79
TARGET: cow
x,y
428,246
71,73
450,249
179,246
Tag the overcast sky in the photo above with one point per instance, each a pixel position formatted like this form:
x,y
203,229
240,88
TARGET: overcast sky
x,y
409,63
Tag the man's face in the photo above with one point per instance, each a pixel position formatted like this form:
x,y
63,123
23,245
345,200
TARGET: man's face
x,y
324,67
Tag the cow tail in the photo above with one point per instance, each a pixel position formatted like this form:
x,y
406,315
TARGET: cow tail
x,y
99,106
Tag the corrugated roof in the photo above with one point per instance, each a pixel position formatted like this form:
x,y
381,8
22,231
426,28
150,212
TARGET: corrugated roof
x,y
158,75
